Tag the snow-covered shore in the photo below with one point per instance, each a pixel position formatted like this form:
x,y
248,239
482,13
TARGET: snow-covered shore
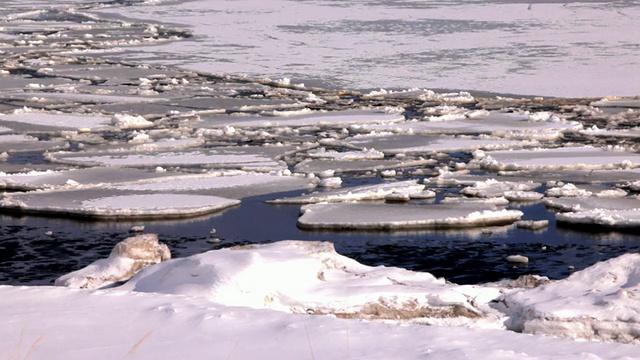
x,y
246,302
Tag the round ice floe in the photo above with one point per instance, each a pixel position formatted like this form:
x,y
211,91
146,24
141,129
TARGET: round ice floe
x,y
115,204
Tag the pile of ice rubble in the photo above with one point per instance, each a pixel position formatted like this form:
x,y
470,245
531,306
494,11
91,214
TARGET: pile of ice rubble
x,y
598,303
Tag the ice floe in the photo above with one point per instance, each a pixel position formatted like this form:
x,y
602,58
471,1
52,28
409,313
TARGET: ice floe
x,y
372,216
363,192
584,157
114,204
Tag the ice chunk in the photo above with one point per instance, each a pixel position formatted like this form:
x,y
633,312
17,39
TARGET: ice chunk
x,y
364,192
371,216
126,259
618,219
256,158
494,188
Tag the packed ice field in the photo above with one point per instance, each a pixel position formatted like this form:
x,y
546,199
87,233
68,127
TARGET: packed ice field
x,y
87,135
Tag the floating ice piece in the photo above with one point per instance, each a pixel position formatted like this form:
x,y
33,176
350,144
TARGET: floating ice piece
x,y
364,192
372,216
261,276
532,224
22,143
366,154
126,121
618,219
421,144
318,166
253,158
522,195
592,203
494,188
53,122
325,119
511,126
49,179
594,131
585,157
518,259
103,203
330,182
126,259
230,184
498,201
598,303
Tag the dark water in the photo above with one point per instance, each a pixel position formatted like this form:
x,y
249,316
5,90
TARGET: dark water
x,y
29,256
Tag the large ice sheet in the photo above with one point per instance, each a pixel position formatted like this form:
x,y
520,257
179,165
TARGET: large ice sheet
x,y
325,119
260,158
114,204
373,216
542,126
420,144
584,157
51,122
50,179
230,184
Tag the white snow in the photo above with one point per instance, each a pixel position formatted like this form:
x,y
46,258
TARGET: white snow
x,y
494,188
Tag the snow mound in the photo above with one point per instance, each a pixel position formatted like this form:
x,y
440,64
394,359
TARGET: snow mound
x,y
598,303
126,259
261,276
373,216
